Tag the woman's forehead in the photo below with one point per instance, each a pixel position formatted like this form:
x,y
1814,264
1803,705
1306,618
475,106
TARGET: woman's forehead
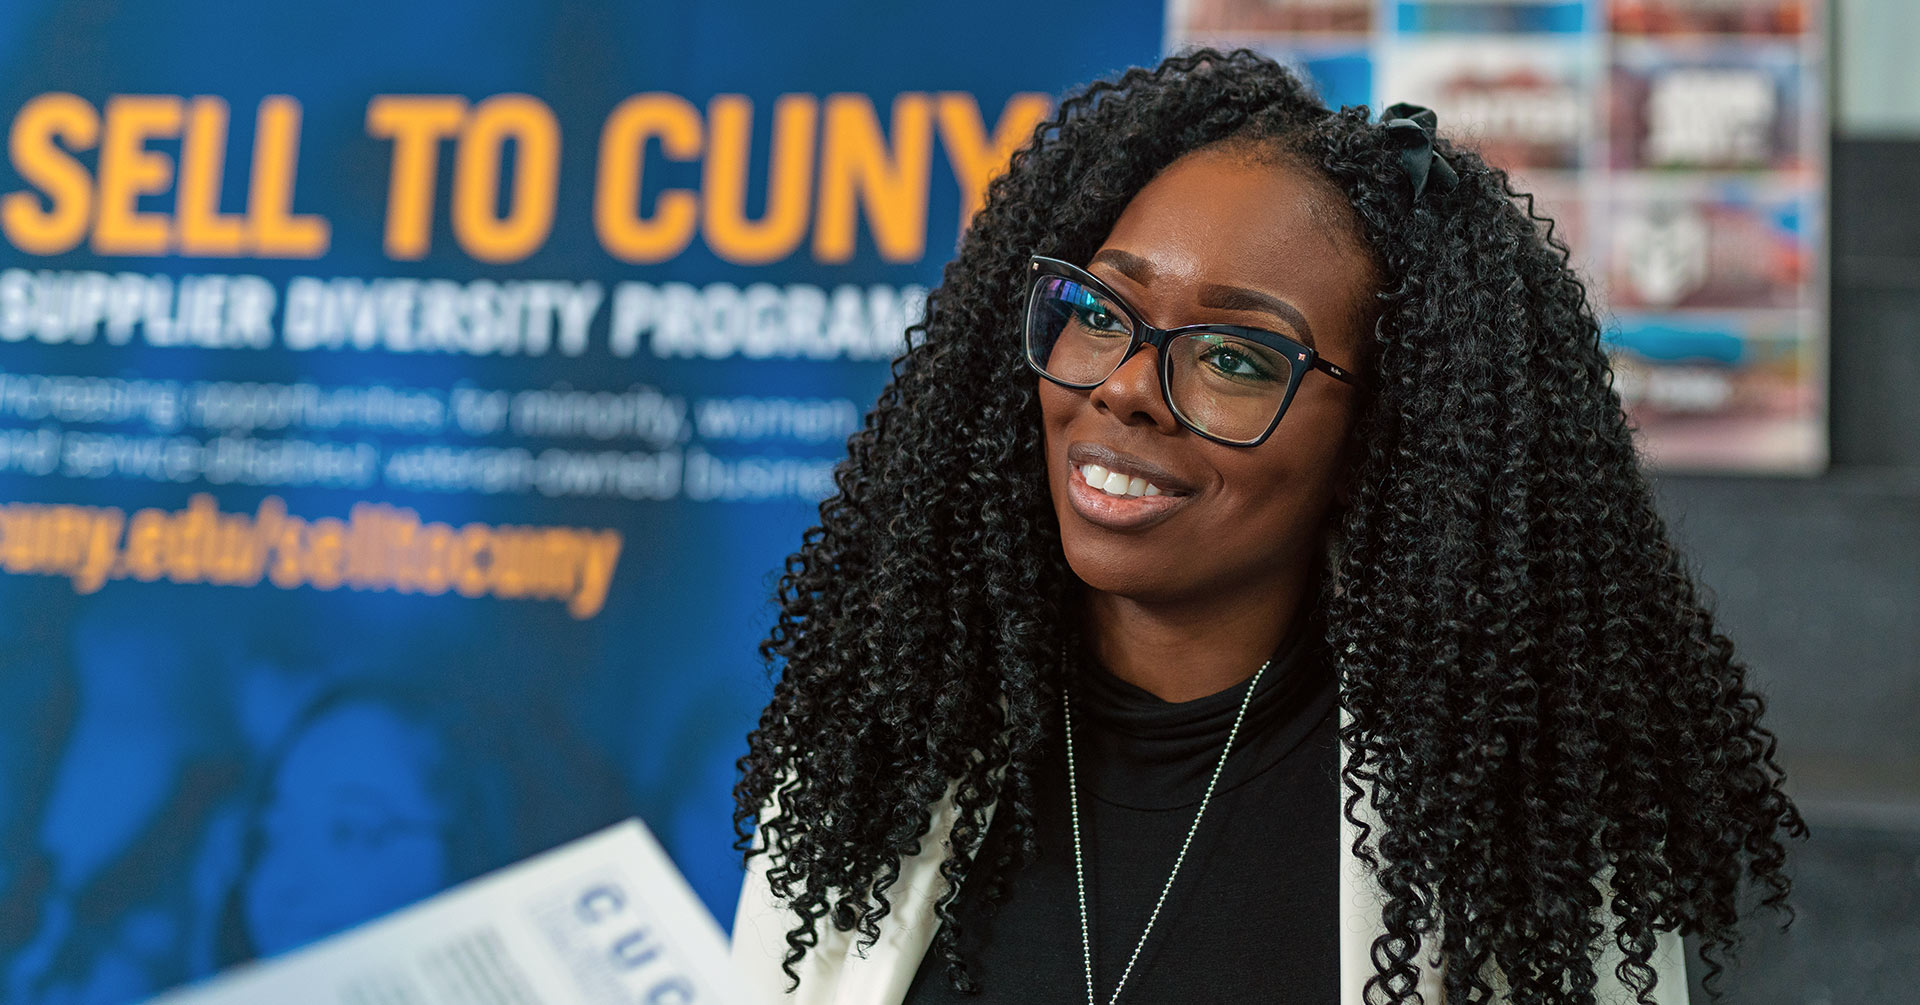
x,y
1220,217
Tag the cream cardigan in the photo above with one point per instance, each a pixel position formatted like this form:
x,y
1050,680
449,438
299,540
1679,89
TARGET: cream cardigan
x,y
836,972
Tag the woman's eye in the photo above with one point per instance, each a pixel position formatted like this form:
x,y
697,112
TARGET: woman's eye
x,y
1233,362
1099,319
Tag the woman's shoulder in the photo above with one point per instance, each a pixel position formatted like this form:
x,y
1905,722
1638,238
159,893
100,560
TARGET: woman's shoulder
x,y
839,966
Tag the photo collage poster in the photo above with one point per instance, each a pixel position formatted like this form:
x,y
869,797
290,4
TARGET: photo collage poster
x,y
1678,146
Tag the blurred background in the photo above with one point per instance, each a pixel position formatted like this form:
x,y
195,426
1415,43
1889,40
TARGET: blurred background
x,y
405,409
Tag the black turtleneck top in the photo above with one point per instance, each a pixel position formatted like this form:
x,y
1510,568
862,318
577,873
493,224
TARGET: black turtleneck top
x,y
1253,916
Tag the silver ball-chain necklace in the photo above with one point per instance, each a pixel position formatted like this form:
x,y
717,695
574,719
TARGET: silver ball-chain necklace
x,y
1079,868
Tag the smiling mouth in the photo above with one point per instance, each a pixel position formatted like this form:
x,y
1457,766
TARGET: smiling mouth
x,y
1117,483
1099,463
1116,500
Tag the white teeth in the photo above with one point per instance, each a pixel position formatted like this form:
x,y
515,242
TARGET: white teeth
x,y
1114,483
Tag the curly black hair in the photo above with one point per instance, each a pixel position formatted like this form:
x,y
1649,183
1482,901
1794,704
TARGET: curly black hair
x,y
1533,686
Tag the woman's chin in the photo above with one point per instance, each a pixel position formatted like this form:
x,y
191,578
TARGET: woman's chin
x,y
1123,572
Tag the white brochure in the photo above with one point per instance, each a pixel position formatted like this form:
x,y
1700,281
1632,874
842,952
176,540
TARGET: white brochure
x,y
605,919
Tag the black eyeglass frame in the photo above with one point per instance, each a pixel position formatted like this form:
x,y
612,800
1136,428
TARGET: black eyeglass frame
x,y
1300,357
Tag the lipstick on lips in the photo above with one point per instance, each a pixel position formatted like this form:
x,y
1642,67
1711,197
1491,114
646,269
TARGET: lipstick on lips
x,y
1120,491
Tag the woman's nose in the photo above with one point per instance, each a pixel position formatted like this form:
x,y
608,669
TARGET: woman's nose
x,y
1132,393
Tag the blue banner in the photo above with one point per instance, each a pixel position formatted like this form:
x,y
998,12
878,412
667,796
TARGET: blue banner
x,y
404,412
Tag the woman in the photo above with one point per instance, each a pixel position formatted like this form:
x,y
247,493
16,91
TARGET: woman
x,y
1218,377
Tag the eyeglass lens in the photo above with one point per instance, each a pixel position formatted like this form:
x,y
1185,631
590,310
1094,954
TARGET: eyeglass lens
x,y
1221,384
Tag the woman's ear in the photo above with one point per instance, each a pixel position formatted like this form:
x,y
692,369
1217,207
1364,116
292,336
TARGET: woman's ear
x,y
1346,478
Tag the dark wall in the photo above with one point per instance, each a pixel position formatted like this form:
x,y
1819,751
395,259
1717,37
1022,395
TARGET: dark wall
x,y
1876,304
1818,582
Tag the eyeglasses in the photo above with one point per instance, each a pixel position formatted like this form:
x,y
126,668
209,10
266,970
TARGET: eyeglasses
x,y
1228,383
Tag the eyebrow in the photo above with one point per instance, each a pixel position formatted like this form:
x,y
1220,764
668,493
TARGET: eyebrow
x,y
1215,295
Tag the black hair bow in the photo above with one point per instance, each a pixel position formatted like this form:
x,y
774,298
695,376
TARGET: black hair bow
x,y
1411,128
